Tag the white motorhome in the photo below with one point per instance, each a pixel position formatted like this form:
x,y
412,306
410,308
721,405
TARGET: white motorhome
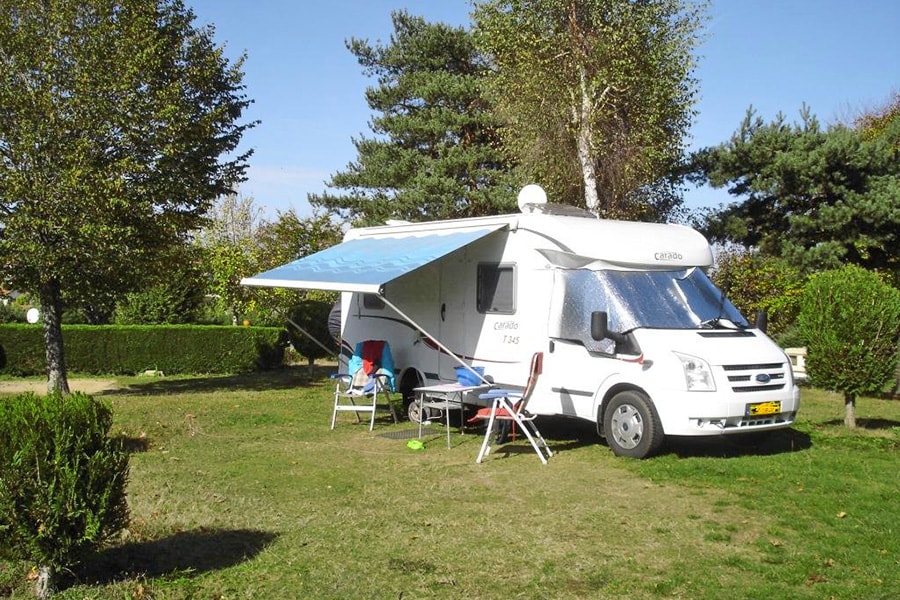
x,y
635,336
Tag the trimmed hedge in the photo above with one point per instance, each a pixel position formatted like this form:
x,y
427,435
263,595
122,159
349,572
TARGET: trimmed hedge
x,y
129,349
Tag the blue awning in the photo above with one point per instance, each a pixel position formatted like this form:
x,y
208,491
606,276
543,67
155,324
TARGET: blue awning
x,y
366,264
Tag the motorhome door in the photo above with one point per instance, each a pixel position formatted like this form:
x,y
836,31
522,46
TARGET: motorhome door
x,y
452,316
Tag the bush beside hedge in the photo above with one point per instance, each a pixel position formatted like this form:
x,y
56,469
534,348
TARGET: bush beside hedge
x,y
62,481
112,349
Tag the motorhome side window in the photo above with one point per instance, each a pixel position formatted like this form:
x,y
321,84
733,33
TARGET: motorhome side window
x,y
496,289
373,302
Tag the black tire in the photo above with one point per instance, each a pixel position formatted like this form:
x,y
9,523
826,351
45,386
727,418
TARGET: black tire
x,y
631,425
411,380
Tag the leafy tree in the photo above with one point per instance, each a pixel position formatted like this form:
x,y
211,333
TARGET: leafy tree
x,y
876,122
595,96
760,283
850,320
228,243
62,481
229,263
176,296
113,117
817,197
434,153
232,219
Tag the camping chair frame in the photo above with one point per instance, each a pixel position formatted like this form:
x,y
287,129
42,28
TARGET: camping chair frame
x,y
360,400
509,405
370,377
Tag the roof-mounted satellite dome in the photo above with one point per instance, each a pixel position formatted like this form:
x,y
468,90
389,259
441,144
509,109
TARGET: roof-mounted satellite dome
x,y
533,200
530,195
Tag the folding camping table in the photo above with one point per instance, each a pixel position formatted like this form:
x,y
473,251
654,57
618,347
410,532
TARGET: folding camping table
x,y
446,397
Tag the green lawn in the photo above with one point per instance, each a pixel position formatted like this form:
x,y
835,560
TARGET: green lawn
x,y
238,489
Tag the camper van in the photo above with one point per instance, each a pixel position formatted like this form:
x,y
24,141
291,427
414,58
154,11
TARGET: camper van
x,y
634,335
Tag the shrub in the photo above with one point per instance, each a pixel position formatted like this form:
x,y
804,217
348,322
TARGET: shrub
x,y
176,300
850,320
755,282
792,337
62,481
11,313
312,316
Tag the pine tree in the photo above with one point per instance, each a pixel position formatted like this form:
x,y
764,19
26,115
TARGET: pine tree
x,y
435,150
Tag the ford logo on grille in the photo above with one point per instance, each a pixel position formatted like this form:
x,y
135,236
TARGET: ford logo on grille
x,y
763,378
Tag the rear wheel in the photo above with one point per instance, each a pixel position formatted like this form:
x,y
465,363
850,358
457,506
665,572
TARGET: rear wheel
x,y
631,425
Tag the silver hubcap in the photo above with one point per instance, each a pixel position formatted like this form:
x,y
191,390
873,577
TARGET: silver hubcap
x,y
627,426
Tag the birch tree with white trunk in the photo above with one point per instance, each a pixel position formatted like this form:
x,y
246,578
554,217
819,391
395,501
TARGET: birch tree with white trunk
x,y
596,96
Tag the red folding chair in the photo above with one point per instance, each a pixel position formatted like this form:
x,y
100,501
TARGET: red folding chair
x,y
509,405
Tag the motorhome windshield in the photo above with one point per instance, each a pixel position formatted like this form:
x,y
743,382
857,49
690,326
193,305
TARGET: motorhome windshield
x,y
682,299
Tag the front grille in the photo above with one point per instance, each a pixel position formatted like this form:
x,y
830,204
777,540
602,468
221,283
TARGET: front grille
x,y
753,366
758,377
766,420
758,388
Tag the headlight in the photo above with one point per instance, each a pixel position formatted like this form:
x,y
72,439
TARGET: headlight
x,y
697,374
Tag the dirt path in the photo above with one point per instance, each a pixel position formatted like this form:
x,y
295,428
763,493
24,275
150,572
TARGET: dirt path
x,y
88,386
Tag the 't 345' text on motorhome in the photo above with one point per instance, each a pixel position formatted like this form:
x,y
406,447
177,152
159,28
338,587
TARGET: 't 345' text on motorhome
x,y
635,336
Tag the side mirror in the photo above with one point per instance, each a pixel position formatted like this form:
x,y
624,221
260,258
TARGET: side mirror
x,y
599,324
600,327
762,320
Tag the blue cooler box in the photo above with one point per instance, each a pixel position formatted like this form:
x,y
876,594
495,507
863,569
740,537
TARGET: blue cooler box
x,y
466,377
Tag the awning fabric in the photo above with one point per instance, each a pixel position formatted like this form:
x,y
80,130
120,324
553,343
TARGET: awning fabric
x,y
366,264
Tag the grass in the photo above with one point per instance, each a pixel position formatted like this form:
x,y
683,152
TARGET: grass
x,y
239,489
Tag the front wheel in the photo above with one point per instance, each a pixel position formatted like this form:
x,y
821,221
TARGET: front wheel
x,y
631,425
410,381
415,414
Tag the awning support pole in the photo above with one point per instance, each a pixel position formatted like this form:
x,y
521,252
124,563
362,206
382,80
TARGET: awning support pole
x,y
330,351
434,339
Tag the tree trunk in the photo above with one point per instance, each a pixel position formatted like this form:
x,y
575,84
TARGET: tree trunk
x,y
45,584
50,297
584,143
850,410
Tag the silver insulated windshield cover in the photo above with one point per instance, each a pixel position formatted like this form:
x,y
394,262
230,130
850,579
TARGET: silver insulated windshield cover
x,y
679,299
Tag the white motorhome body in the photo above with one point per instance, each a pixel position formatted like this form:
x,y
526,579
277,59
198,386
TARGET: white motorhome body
x,y
676,357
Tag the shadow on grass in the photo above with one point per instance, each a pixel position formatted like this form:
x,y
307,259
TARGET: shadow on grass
x,y
132,445
863,423
184,554
561,434
276,379
781,441
566,433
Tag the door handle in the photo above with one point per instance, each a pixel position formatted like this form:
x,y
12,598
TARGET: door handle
x,y
443,311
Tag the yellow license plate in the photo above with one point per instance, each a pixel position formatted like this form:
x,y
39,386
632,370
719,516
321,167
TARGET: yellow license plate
x,y
763,408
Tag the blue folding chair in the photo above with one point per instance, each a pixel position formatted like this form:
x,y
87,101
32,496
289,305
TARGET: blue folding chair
x,y
370,375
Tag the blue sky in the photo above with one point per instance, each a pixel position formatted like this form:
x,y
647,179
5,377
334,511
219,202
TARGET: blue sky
x,y
837,56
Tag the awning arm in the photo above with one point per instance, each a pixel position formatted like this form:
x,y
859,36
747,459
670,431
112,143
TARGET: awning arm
x,y
330,351
435,340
